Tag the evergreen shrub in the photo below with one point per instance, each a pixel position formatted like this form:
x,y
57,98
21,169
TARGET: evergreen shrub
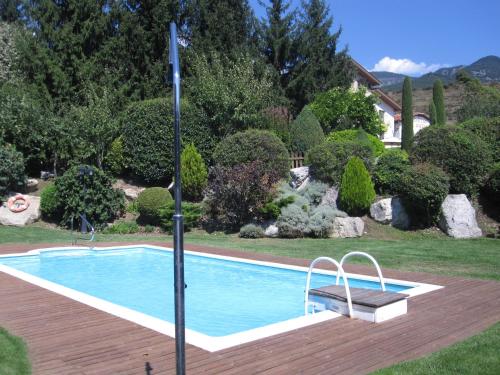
x,y
388,170
12,175
360,136
191,212
115,161
150,202
321,220
293,222
423,189
194,174
272,209
254,145
488,129
122,227
492,185
305,131
89,194
356,192
251,231
463,155
49,202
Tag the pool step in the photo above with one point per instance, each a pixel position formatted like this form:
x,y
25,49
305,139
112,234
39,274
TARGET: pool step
x,y
370,305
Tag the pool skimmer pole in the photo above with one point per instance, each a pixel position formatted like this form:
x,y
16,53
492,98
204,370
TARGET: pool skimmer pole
x,y
180,345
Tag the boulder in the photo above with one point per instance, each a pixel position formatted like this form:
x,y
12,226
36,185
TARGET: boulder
x,y
31,185
28,216
330,197
399,216
458,217
304,184
132,193
346,227
271,231
381,211
299,175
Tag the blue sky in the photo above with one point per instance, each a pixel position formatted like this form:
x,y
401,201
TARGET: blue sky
x,y
415,36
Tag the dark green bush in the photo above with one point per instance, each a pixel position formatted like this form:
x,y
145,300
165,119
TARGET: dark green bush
x,y
423,189
488,129
115,161
148,137
492,185
251,231
194,174
191,212
272,210
464,156
305,131
254,145
11,170
277,120
388,170
92,195
150,202
327,161
49,202
360,136
356,192
123,227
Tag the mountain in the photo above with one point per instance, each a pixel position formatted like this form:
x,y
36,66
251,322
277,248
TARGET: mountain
x,y
486,69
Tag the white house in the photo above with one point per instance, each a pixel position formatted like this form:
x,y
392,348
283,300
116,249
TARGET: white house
x,y
420,121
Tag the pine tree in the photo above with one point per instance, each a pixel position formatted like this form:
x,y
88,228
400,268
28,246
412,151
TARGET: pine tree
x,y
432,113
407,116
194,175
356,192
438,99
317,64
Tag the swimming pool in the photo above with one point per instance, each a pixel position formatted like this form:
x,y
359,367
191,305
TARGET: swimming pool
x,y
227,299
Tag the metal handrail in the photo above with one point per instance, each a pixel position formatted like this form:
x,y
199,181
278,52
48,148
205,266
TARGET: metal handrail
x,y
339,270
360,253
92,230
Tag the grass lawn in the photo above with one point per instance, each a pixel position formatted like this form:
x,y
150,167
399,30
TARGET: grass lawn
x,y
13,355
427,251
477,355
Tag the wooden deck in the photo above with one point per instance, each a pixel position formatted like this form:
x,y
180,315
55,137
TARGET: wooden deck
x,y
67,337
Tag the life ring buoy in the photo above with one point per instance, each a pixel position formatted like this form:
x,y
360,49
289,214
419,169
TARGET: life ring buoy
x,y
18,203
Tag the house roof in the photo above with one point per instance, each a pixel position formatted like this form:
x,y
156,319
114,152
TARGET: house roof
x,y
365,73
387,99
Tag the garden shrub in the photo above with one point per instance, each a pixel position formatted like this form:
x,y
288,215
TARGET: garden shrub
x,y
191,213
327,161
235,195
314,192
464,156
277,120
122,227
492,185
423,189
92,195
272,209
49,202
321,220
359,136
11,170
254,145
488,129
251,231
150,202
194,174
305,131
115,161
388,170
356,192
148,136
293,222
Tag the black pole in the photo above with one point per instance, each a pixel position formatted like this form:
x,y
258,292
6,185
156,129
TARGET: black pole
x,y
180,346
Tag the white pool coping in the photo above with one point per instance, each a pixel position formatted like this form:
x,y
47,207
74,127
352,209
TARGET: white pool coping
x,y
209,343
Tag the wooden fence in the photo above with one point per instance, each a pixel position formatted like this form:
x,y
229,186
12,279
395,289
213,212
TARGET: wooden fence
x,y
296,159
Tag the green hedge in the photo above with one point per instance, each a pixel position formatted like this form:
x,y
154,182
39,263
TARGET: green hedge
x,y
305,131
49,202
360,136
488,129
150,202
388,170
11,170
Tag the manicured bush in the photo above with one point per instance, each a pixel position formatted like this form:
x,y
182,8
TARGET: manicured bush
x,y
327,161
360,136
253,145
423,189
488,129
49,202
115,161
123,227
235,195
464,156
321,220
356,192
150,202
11,170
389,169
147,131
89,194
251,231
191,213
305,131
194,174
293,222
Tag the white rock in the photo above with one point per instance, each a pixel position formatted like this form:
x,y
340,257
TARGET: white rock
x,y
400,218
346,227
330,197
299,175
28,216
31,184
304,184
132,193
271,231
381,211
458,217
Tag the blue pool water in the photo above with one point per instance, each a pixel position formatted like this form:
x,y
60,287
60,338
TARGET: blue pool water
x,y
222,296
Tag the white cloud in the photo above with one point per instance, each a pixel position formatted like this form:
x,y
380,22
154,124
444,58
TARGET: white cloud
x,y
405,66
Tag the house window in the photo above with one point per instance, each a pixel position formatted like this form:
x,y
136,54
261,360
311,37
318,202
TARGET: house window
x,y
381,113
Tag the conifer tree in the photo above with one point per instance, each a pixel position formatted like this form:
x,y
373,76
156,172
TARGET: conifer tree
x,y
438,99
356,192
407,116
194,174
432,113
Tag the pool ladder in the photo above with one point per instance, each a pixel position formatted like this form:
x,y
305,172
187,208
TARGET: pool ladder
x,y
88,225
340,272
